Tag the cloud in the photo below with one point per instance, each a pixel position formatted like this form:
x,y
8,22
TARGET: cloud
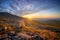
x,y
23,7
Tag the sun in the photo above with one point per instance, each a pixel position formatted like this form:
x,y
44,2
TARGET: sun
x,y
28,17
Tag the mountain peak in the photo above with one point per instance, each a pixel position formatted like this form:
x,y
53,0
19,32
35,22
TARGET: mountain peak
x,y
4,13
9,16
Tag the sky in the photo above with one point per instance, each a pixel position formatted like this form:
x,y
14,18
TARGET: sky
x,y
32,8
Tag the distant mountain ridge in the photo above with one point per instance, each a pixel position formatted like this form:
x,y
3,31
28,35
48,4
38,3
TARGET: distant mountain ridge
x,y
50,22
46,19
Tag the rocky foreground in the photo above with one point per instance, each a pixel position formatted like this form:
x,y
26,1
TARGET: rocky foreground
x,y
27,33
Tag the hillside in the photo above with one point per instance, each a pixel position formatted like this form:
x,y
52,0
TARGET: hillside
x,y
49,23
24,29
8,16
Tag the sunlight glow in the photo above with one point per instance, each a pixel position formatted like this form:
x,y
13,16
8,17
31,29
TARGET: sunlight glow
x,y
28,17
40,15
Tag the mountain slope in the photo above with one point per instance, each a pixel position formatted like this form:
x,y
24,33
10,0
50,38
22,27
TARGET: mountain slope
x,y
32,30
7,19
49,23
5,15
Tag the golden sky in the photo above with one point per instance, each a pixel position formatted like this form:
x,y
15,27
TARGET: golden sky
x,y
42,15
